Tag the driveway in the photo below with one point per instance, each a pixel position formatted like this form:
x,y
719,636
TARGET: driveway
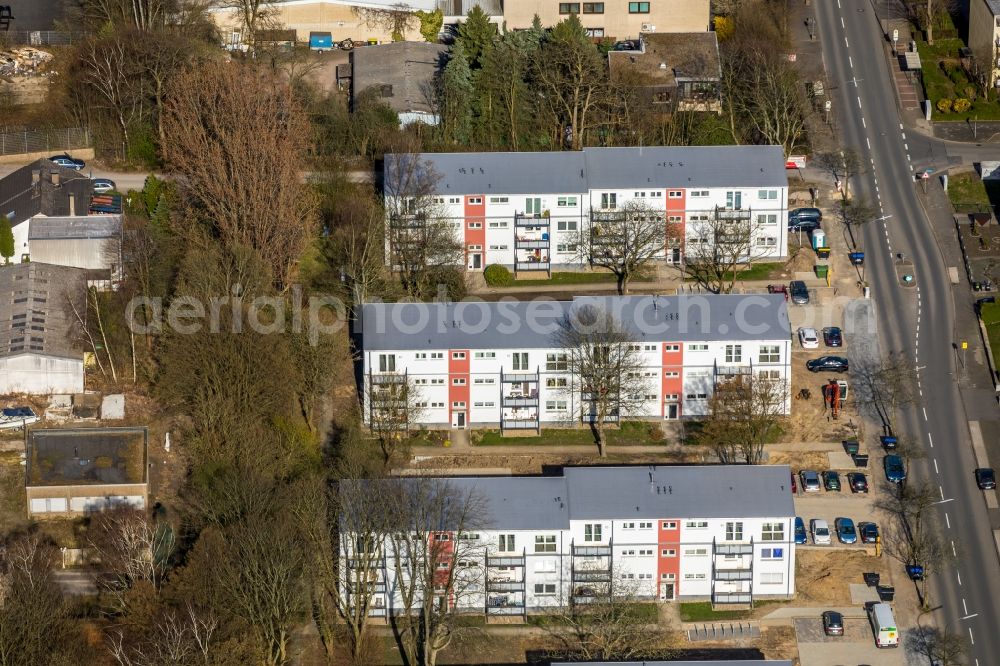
x,y
856,646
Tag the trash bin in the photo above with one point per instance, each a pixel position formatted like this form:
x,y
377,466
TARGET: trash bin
x,y
857,258
886,592
823,252
888,441
871,578
915,572
851,446
860,459
822,270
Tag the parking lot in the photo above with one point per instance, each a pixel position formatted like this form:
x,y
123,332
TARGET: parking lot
x,y
856,646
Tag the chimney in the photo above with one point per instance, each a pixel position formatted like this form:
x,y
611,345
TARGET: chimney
x,y
55,178
72,205
36,176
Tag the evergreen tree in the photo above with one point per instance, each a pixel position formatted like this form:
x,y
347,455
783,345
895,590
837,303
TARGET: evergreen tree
x,y
456,92
477,36
6,239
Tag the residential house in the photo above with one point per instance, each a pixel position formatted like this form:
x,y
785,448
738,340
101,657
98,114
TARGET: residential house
x,y
675,71
38,354
41,188
76,471
723,533
984,36
500,364
527,210
402,75
613,19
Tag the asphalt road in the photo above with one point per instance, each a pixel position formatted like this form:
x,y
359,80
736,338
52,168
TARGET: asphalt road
x,y
916,321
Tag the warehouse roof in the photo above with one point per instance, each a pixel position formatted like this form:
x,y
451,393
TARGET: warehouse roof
x,y
91,227
535,324
570,172
86,456
402,74
35,309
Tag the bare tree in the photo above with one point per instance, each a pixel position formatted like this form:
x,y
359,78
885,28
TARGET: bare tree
x,y
392,403
608,626
854,213
765,95
942,647
397,19
178,639
420,237
885,385
238,140
604,365
252,16
112,72
746,411
844,165
428,554
624,240
716,249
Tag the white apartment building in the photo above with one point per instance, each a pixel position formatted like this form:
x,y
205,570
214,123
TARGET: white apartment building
x,y
526,210
499,364
724,533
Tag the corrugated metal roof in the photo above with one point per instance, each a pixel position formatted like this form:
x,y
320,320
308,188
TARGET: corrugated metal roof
x,y
602,168
534,324
35,312
74,228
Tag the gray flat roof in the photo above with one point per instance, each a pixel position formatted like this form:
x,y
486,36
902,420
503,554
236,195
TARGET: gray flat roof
x,y
80,227
617,493
534,324
36,316
86,456
571,172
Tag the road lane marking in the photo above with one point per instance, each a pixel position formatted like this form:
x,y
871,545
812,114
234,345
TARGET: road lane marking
x,y
930,440
954,552
842,22
905,147
936,470
925,412
947,521
958,575
971,637
940,488
847,45
969,617
859,101
850,60
904,135
900,124
965,609
863,123
907,157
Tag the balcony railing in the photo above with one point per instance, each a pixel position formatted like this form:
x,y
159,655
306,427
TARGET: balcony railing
x,y
371,563
733,574
531,243
519,424
505,560
517,377
732,598
504,585
588,576
389,378
591,551
519,401
520,265
508,608
408,221
733,214
376,612
734,549
530,220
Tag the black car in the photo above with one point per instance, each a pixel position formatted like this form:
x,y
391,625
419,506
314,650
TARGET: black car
x,y
868,532
828,364
803,225
68,162
799,292
986,478
833,623
831,481
832,337
857,482
802,214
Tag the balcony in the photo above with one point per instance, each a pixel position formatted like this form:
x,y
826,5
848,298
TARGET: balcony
x,y
532,264
505,560
733,214
520,401
592,551
531,220
408,221
734,549
732,598
506,608
516,377
733,574
525,243
388,378
519,424
498,585
591,576
371,563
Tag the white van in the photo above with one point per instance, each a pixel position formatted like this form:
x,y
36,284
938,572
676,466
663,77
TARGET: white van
x,y
883,625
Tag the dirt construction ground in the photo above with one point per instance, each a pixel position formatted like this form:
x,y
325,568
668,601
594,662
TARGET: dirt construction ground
x,y
822,577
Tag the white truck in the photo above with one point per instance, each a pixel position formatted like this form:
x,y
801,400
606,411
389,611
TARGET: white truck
x,y
883,625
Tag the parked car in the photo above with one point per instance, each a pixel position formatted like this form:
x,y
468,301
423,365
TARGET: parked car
x,y
894,471
68,162
868,532
828,364
805,226
832,337
821,532
800,214
831,481
810,481
808,338
857,482
833,623
795,488
846,531
800,294
800,531
102,185
986,478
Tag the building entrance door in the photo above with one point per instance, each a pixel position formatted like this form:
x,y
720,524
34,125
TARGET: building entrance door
x,y
458,420
666,591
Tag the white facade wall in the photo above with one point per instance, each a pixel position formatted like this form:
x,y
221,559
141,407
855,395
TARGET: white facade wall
x,y
36,374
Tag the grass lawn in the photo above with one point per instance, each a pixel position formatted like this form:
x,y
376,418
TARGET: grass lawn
x,y
944,78
640,612
967,191
762,271
630,433
990,314
701,611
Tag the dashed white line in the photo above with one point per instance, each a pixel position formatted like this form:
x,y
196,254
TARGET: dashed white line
x,y
900,124
972,638
941,489
959,576
947,522
953,550
904,135
930,440
965,609
863,123
842,22
925,412
907,157
850,60
859,101
936,470
845,43
869,143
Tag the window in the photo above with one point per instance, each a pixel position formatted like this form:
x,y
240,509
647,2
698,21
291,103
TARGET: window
x,y
669,525
498,247
772,532
672,194
475,200
645,552
442,565
442,536
437,404
386,363
734,531
697,347
734,353
676,219
769,218
772,553
545,543
769,354
569,7
668,576
672,373
566,247
454,200
556,362
439,381
484,380
458,404
437,355
668,552
420,356
694,576
734,200
696,524
628,526
458,356
556,382
767,195
671,397
592,532
593,8
486,355
638,195
650,347
555,405
699,194
545,589
468,536
772,578
475,247
498,200
609,201
594,32
520,360
645,526
628,552
566,225
771,375
695,552
671,348
497,225
533,205
767,241
506,543
475,225
458,381
564,202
